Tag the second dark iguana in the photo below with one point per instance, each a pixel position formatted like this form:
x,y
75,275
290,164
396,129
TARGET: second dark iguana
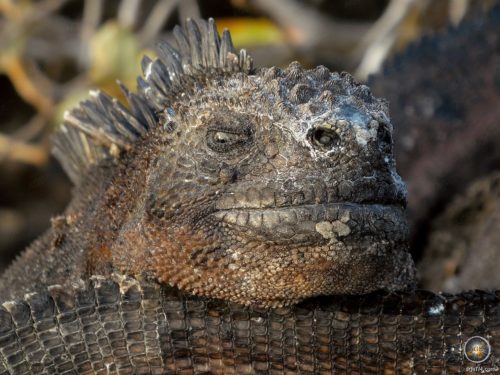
x,y
444,95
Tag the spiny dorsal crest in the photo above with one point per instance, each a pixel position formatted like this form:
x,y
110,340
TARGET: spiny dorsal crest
x,y
100,127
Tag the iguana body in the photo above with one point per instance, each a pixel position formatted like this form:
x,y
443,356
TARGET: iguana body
x,y
126,327
260,188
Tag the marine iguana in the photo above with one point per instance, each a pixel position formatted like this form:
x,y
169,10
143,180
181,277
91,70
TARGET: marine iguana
x,y
259,187
254,189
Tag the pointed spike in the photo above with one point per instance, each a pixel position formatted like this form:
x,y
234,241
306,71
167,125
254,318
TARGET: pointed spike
x,y
94,152
84,117
133,121
245,61
142,85
226,47
242,58
70,167
146,66
75,150
195,43
101,100
95,114
159,77
165,76
212,45
98,125
249,64
124,89
117,123
203,28
139,108
155,98
66,150
170,57
183,44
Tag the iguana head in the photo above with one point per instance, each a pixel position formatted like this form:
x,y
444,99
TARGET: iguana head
x,y
263,186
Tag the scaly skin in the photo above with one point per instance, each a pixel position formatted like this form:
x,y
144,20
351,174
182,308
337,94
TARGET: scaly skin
x,y
127,327
258,187
254,187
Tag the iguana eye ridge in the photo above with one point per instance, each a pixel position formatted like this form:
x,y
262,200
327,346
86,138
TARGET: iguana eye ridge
x,y
324,138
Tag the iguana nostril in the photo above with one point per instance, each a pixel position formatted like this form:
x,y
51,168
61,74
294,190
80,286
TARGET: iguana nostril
x,y
384,138
325,138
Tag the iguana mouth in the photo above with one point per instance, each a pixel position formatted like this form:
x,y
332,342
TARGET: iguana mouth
x,y
324,220
363,192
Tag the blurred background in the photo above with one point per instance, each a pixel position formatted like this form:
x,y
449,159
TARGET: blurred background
x,y
53,51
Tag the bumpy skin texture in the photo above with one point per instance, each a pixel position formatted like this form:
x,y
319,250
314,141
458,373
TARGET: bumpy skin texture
x,y
128,327
259,187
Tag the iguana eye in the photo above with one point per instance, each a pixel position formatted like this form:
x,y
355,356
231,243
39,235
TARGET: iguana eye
x,y
225,138
324,138
224,141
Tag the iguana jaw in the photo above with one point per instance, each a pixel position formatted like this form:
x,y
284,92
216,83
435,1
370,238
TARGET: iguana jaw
x,y
317,222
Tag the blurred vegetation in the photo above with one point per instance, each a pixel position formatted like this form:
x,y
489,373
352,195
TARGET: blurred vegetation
x,y
53,51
